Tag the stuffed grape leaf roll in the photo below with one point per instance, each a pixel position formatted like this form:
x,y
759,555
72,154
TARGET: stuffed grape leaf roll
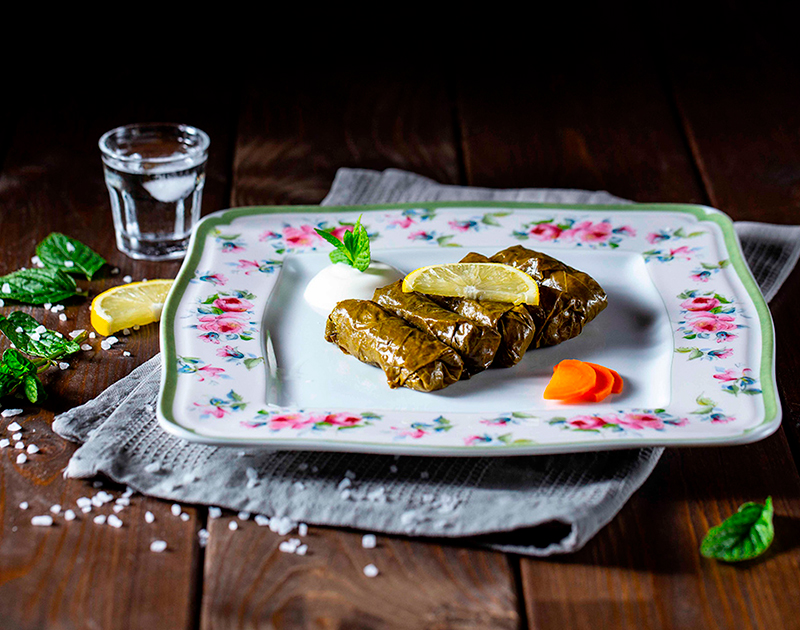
x,y
409,357
477,345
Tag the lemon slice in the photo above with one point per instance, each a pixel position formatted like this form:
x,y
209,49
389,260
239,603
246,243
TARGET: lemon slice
x,y
127,305
480,281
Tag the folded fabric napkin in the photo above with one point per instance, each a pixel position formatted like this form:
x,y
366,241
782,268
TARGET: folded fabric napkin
x,y
529,505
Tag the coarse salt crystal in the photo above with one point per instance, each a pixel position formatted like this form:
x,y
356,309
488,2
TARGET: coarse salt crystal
x,y
76,333
23,505
19,446
233,526
86,509
287,547
152,467
301,550
35,336
104,345
214,512
127,279
69,515
22,458
70,247
115,521
100,519
17,436
184,516
115,271
37,261
69,264
149,517
368,541
176,509
125,353
261,520
302,529
32,449
83,501
45,520
123,500
92,335
86,347
55,509
40,329
158,546
244,516
118,508
111,340
4,442
202,537
62,317
6,288
62,365
136,327
126,331
370,570
7,413
19,329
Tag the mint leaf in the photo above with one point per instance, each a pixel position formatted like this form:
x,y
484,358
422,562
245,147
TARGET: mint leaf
x,y
352,249
37,286
15,369
63,253
20,328
743,536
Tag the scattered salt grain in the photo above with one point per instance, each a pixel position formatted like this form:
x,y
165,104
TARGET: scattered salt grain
x,y
368,541
92,335
86,347
111,340
202,537
233,526
370,570
301,550
69,264
23,505
115,271
4,442
32,449
214,512
55,509
44,520
100,519
184,516
137,327
76,333
153,467
40,329
261,520
19,446
118,508
302,529
18,329
158,546
21,458
149,517
2,303
69,515
345,483
70,247
127,279
115,521
126,331
125,353
244,516
86,509
62,317
6,288
17,436
83,501
7,413
176,509
35,260
35,336
63,365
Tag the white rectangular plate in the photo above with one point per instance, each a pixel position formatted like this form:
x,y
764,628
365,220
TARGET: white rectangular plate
x,y
245,362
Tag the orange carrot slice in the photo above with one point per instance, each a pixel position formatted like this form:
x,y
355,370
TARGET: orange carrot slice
x,y
603,387
571,378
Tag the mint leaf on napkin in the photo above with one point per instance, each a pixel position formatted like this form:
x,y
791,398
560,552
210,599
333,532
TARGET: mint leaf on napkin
x,y
352,249
32,338
743,536
63,253
37,286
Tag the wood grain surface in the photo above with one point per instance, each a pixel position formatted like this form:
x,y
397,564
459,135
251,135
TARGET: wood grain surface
x,y
649,121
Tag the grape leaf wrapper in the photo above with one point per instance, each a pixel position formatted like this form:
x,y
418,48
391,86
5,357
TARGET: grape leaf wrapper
x,y
63,253
47,344
37,286
742,536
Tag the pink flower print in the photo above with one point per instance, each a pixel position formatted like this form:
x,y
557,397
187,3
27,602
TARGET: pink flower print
x,y
420,235
721,418
587,422
730,375
589,232
341,420
212,410
462,226
268,235
625,230
229,351
712,322
477,439
641,421
211,372
545,232
302,236
680,252
232,304
338,232
700,304
405,222
290,421
701,276
249,265
224,323
412,433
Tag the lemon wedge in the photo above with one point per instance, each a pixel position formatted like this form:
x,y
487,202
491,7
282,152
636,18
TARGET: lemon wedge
x,y
480,281
127,305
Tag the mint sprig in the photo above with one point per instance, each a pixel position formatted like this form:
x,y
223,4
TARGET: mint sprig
x,y
64,253
37,286
743,536
30,337
19,375
352,249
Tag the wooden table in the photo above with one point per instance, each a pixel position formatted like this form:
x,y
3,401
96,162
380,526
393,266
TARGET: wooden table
x,y
656,126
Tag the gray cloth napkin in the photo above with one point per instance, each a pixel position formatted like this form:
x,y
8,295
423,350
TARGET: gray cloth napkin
x,y
529,505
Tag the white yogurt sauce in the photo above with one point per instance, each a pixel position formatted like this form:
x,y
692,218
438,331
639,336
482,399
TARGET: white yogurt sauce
x,y
339,282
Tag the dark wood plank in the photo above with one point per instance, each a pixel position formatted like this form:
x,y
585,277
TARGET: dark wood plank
x,y
617,130
78,574
288,148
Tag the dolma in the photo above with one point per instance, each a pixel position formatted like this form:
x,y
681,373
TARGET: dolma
x,y
568,298
409,357
477,345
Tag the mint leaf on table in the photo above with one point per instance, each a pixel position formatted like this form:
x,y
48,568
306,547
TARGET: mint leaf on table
x,y
352,249
37,286
21,329
17,371
743,536
63,253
